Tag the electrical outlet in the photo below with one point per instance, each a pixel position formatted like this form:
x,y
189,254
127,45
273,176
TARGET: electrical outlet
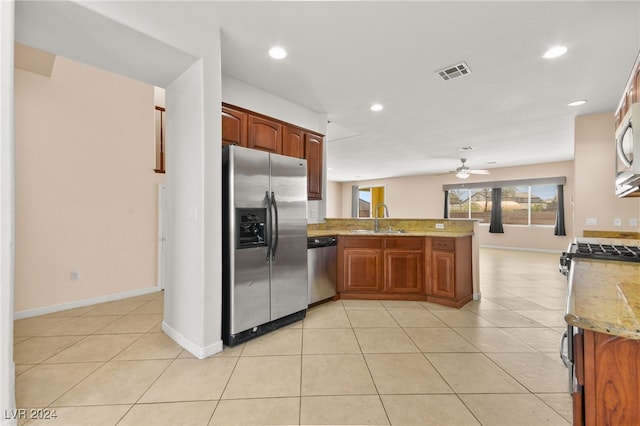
x,y
592,221
439,225
75,275
617,222
633,221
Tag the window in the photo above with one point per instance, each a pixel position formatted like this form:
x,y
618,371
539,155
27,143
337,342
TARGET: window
x,y
470,204
527,202
529,205
365,199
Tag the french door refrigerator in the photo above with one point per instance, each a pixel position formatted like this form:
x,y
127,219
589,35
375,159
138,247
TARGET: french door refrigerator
x,y
264,242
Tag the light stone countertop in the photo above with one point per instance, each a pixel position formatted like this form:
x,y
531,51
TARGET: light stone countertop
x,y
604,296
410,227
430,233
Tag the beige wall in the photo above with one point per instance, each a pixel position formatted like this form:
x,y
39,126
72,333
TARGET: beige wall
x,y
594,194
86,193
423,197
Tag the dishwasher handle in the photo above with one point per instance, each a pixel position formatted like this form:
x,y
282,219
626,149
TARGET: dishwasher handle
x,y
320,242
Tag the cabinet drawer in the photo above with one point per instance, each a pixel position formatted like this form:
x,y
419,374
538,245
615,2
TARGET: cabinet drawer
x,y
444,244
362,242
404,243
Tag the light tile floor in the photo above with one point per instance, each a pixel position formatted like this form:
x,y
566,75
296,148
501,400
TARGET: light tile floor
x,y
493,362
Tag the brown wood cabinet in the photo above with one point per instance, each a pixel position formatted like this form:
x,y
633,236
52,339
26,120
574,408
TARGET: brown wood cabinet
x,y
381,267
631,93
404,264
246,128
360,265
608,368
234,126
313,153
264,134
293,141
451,281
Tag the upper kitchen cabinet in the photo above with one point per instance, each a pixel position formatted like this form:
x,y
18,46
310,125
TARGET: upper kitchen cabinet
x,y
293,142
234,126
313,153
264,134
253,130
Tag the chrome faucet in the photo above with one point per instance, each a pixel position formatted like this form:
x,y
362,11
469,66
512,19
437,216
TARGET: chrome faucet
x,y
376,225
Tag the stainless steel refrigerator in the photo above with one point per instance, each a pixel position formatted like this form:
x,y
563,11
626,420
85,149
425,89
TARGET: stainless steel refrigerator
x,y
264,242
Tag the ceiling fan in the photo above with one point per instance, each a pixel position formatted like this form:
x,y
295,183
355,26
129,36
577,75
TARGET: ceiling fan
x,y
464,171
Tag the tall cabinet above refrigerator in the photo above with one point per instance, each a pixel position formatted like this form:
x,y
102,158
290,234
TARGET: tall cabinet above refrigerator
x,y
264,242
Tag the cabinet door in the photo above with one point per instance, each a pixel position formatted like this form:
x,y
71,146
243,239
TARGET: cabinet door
x,y
264,134
443,282
612,368
313,154
362,270
292,142
403,271
234,126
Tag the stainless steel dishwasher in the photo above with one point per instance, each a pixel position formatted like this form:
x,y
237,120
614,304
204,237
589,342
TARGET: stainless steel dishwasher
x,y
321,255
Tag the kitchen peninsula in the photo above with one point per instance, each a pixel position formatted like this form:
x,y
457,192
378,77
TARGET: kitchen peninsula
x,y
604,306
435,260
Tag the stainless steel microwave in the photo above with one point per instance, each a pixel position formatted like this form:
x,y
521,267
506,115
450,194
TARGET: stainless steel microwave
x,y
628,154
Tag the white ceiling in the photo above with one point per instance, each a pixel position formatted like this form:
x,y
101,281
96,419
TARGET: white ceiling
x,y
512,108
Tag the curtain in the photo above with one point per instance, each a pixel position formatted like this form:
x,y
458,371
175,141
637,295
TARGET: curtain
x,y
355,200
496,211
446,204
559,228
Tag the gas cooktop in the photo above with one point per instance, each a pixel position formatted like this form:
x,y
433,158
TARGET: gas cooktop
x,y
604,251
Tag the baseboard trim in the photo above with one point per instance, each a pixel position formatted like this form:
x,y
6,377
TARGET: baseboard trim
x,y
521,249
195,350
82,303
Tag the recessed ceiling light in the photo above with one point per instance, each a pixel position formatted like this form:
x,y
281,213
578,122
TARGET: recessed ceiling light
x,y
376,107
554,52
577,103
277,52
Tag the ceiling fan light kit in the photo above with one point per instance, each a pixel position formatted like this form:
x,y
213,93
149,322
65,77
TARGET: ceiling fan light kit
x,y
465,171
462,174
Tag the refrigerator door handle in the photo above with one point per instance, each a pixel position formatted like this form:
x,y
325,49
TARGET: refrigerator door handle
x,y
276,233
269,236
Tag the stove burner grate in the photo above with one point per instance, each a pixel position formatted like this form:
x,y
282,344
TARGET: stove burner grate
x,y
607,251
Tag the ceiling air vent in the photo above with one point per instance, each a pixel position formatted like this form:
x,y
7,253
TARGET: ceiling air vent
x,y
454,71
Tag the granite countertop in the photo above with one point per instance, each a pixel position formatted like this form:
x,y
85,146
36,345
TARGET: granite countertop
x,y
391,226
414,233
604,296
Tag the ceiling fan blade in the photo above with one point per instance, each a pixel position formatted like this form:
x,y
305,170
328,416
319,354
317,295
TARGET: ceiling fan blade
x,y
479,172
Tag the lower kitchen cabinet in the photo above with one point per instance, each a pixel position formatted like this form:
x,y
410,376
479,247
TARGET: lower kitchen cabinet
x,y
451,281
405,268
608,370
360,265
404,265
381,267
